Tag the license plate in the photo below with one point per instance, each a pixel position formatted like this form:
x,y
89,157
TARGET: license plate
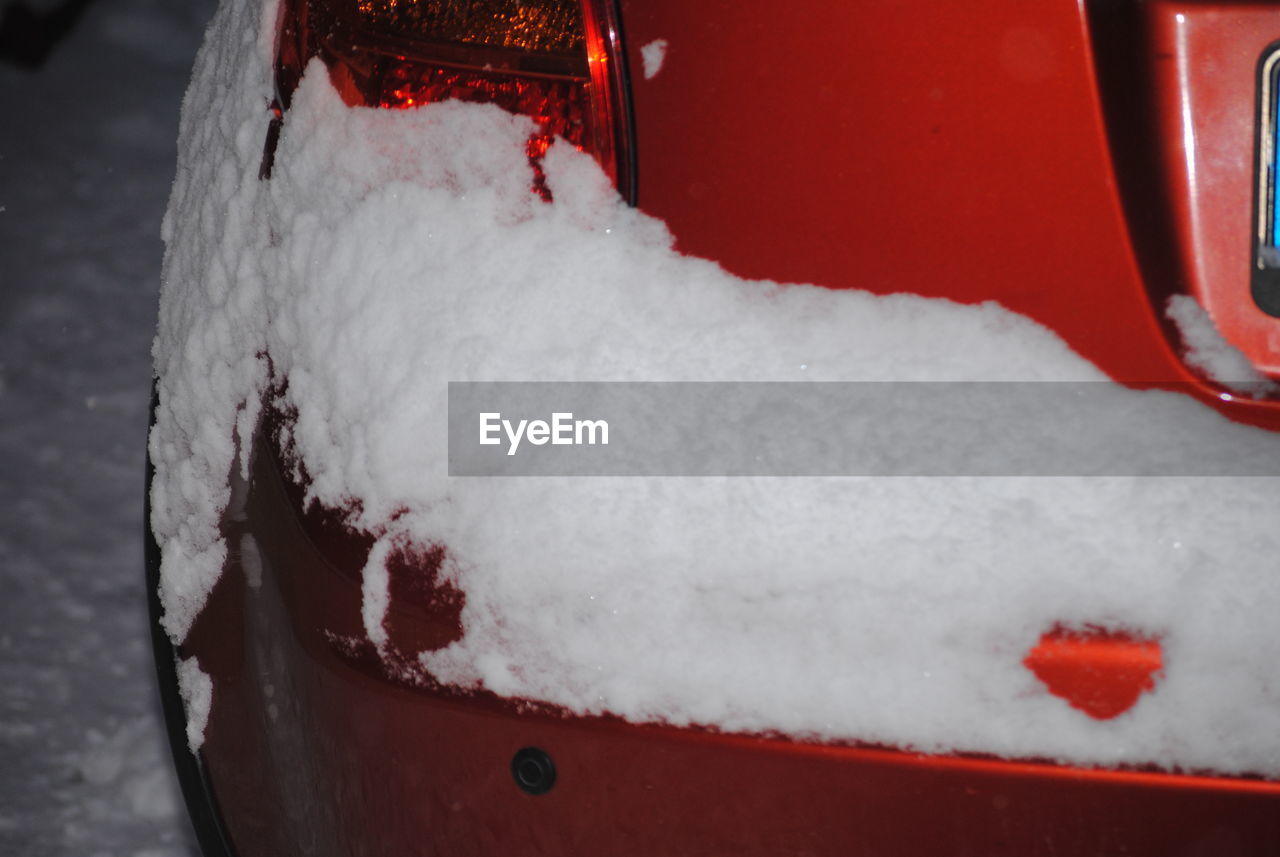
x,y
1266,235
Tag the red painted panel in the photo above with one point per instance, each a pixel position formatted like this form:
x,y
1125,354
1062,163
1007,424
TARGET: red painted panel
x,y
955,150
1204,60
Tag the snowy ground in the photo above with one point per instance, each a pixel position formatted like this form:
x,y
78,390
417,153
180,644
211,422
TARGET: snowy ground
x,y
86,160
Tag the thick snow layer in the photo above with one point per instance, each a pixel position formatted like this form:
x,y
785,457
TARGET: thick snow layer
x,y
209,306
393,252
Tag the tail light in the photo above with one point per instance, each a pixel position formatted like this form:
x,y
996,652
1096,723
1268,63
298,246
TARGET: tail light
x,y
1098,671
558,62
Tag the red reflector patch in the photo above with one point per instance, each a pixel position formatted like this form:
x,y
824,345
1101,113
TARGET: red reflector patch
x,y
1098,671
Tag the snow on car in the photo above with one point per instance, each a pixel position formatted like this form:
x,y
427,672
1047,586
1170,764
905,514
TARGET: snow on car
x,y
321,298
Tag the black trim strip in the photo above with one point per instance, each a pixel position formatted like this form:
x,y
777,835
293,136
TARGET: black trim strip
x,y
626,113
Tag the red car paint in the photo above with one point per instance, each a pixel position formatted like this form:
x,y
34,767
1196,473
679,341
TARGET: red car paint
x,y
962,151
1077,162
1198,53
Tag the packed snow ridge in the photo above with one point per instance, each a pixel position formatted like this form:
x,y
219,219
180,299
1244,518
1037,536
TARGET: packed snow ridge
x,y
395,251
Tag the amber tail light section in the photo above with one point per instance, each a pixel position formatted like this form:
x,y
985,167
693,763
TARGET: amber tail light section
x,y
559,62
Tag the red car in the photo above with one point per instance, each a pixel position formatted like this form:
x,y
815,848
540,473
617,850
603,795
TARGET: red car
x,y
1106,169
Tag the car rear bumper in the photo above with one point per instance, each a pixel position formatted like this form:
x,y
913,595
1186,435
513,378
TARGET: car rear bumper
x,y
315,746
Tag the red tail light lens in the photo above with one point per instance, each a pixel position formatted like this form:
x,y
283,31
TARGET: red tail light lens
x,y
1099,671
555,61
549,26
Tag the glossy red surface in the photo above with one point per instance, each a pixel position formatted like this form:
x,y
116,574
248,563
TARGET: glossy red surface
x,y
957,150
1204,59
313,750
1178,80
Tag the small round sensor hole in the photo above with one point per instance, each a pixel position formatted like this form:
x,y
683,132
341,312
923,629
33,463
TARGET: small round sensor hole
x,y
533,770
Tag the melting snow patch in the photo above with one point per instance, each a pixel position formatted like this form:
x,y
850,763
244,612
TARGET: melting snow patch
x,y
409,252
197,698
651,57
374,592
1210,352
